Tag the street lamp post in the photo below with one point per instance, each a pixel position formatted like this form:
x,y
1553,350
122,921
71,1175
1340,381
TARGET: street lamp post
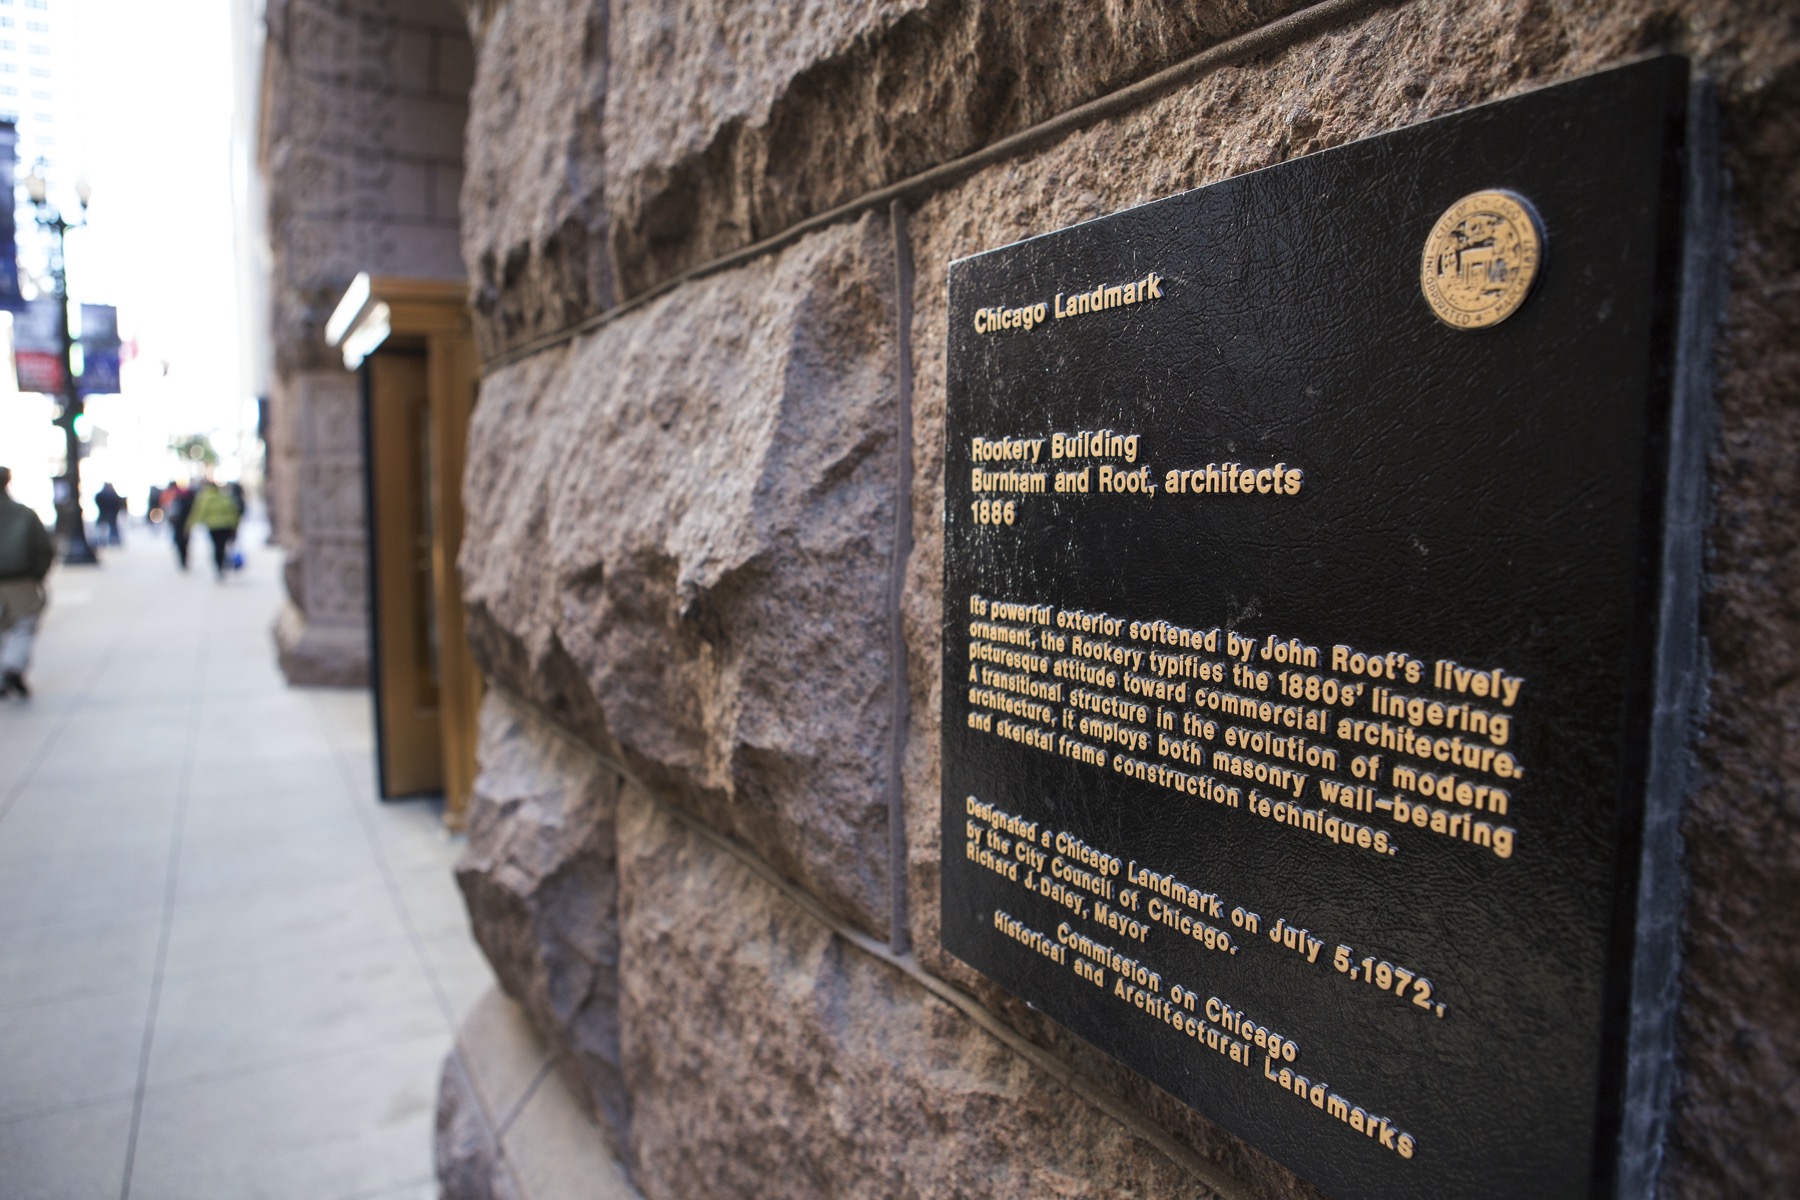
x,y
71,530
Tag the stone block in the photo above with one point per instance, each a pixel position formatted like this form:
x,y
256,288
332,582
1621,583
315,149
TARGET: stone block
x,y
329,68
426,126
541,885
331,497
293,580
320,37
330,416
409,60
319,256
533,202
512,601
315,181
335,568
768,1056
424,249
678,542
438,14
780,119
406,189
1394,67
446,192
453,71
320,654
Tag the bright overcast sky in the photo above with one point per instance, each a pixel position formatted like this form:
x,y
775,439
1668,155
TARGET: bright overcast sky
x,y
147,107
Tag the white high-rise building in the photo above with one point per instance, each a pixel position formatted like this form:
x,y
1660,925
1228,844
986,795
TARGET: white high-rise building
x,y
29,60
28,75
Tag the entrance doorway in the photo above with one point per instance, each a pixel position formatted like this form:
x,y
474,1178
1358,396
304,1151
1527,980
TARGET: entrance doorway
x,y
410,341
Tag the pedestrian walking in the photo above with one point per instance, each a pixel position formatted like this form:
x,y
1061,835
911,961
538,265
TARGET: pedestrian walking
x,y
25,557
216,512
110,505
178,506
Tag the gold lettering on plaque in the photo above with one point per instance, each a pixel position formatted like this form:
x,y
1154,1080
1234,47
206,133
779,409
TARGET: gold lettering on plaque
x,y
1481,259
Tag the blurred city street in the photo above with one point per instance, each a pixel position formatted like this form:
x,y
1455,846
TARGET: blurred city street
x,y
226,969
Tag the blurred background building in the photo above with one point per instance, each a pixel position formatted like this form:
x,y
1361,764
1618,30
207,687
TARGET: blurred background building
x,y
359,153
160,242
29,41
31,33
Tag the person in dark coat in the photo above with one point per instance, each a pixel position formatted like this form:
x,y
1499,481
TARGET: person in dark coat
x,y
25,558
109,504
178,507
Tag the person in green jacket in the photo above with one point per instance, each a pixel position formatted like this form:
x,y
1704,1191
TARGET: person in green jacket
x,y
216,512
25,557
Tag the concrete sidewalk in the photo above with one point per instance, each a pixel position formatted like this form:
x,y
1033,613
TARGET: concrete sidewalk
x,y
226,970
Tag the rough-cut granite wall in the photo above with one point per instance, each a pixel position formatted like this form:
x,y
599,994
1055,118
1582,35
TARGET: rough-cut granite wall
x,y
682,575
535,228
704,492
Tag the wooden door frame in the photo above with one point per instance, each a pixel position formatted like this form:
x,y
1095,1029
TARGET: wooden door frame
x,y
432,315
409,732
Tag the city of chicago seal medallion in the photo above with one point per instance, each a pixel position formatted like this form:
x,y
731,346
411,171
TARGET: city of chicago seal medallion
x,y
1481,259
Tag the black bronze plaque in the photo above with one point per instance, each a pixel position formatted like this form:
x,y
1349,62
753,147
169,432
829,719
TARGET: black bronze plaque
x,y
1304,554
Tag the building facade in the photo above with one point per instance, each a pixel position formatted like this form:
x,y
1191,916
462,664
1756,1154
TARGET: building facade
x,y
363,104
